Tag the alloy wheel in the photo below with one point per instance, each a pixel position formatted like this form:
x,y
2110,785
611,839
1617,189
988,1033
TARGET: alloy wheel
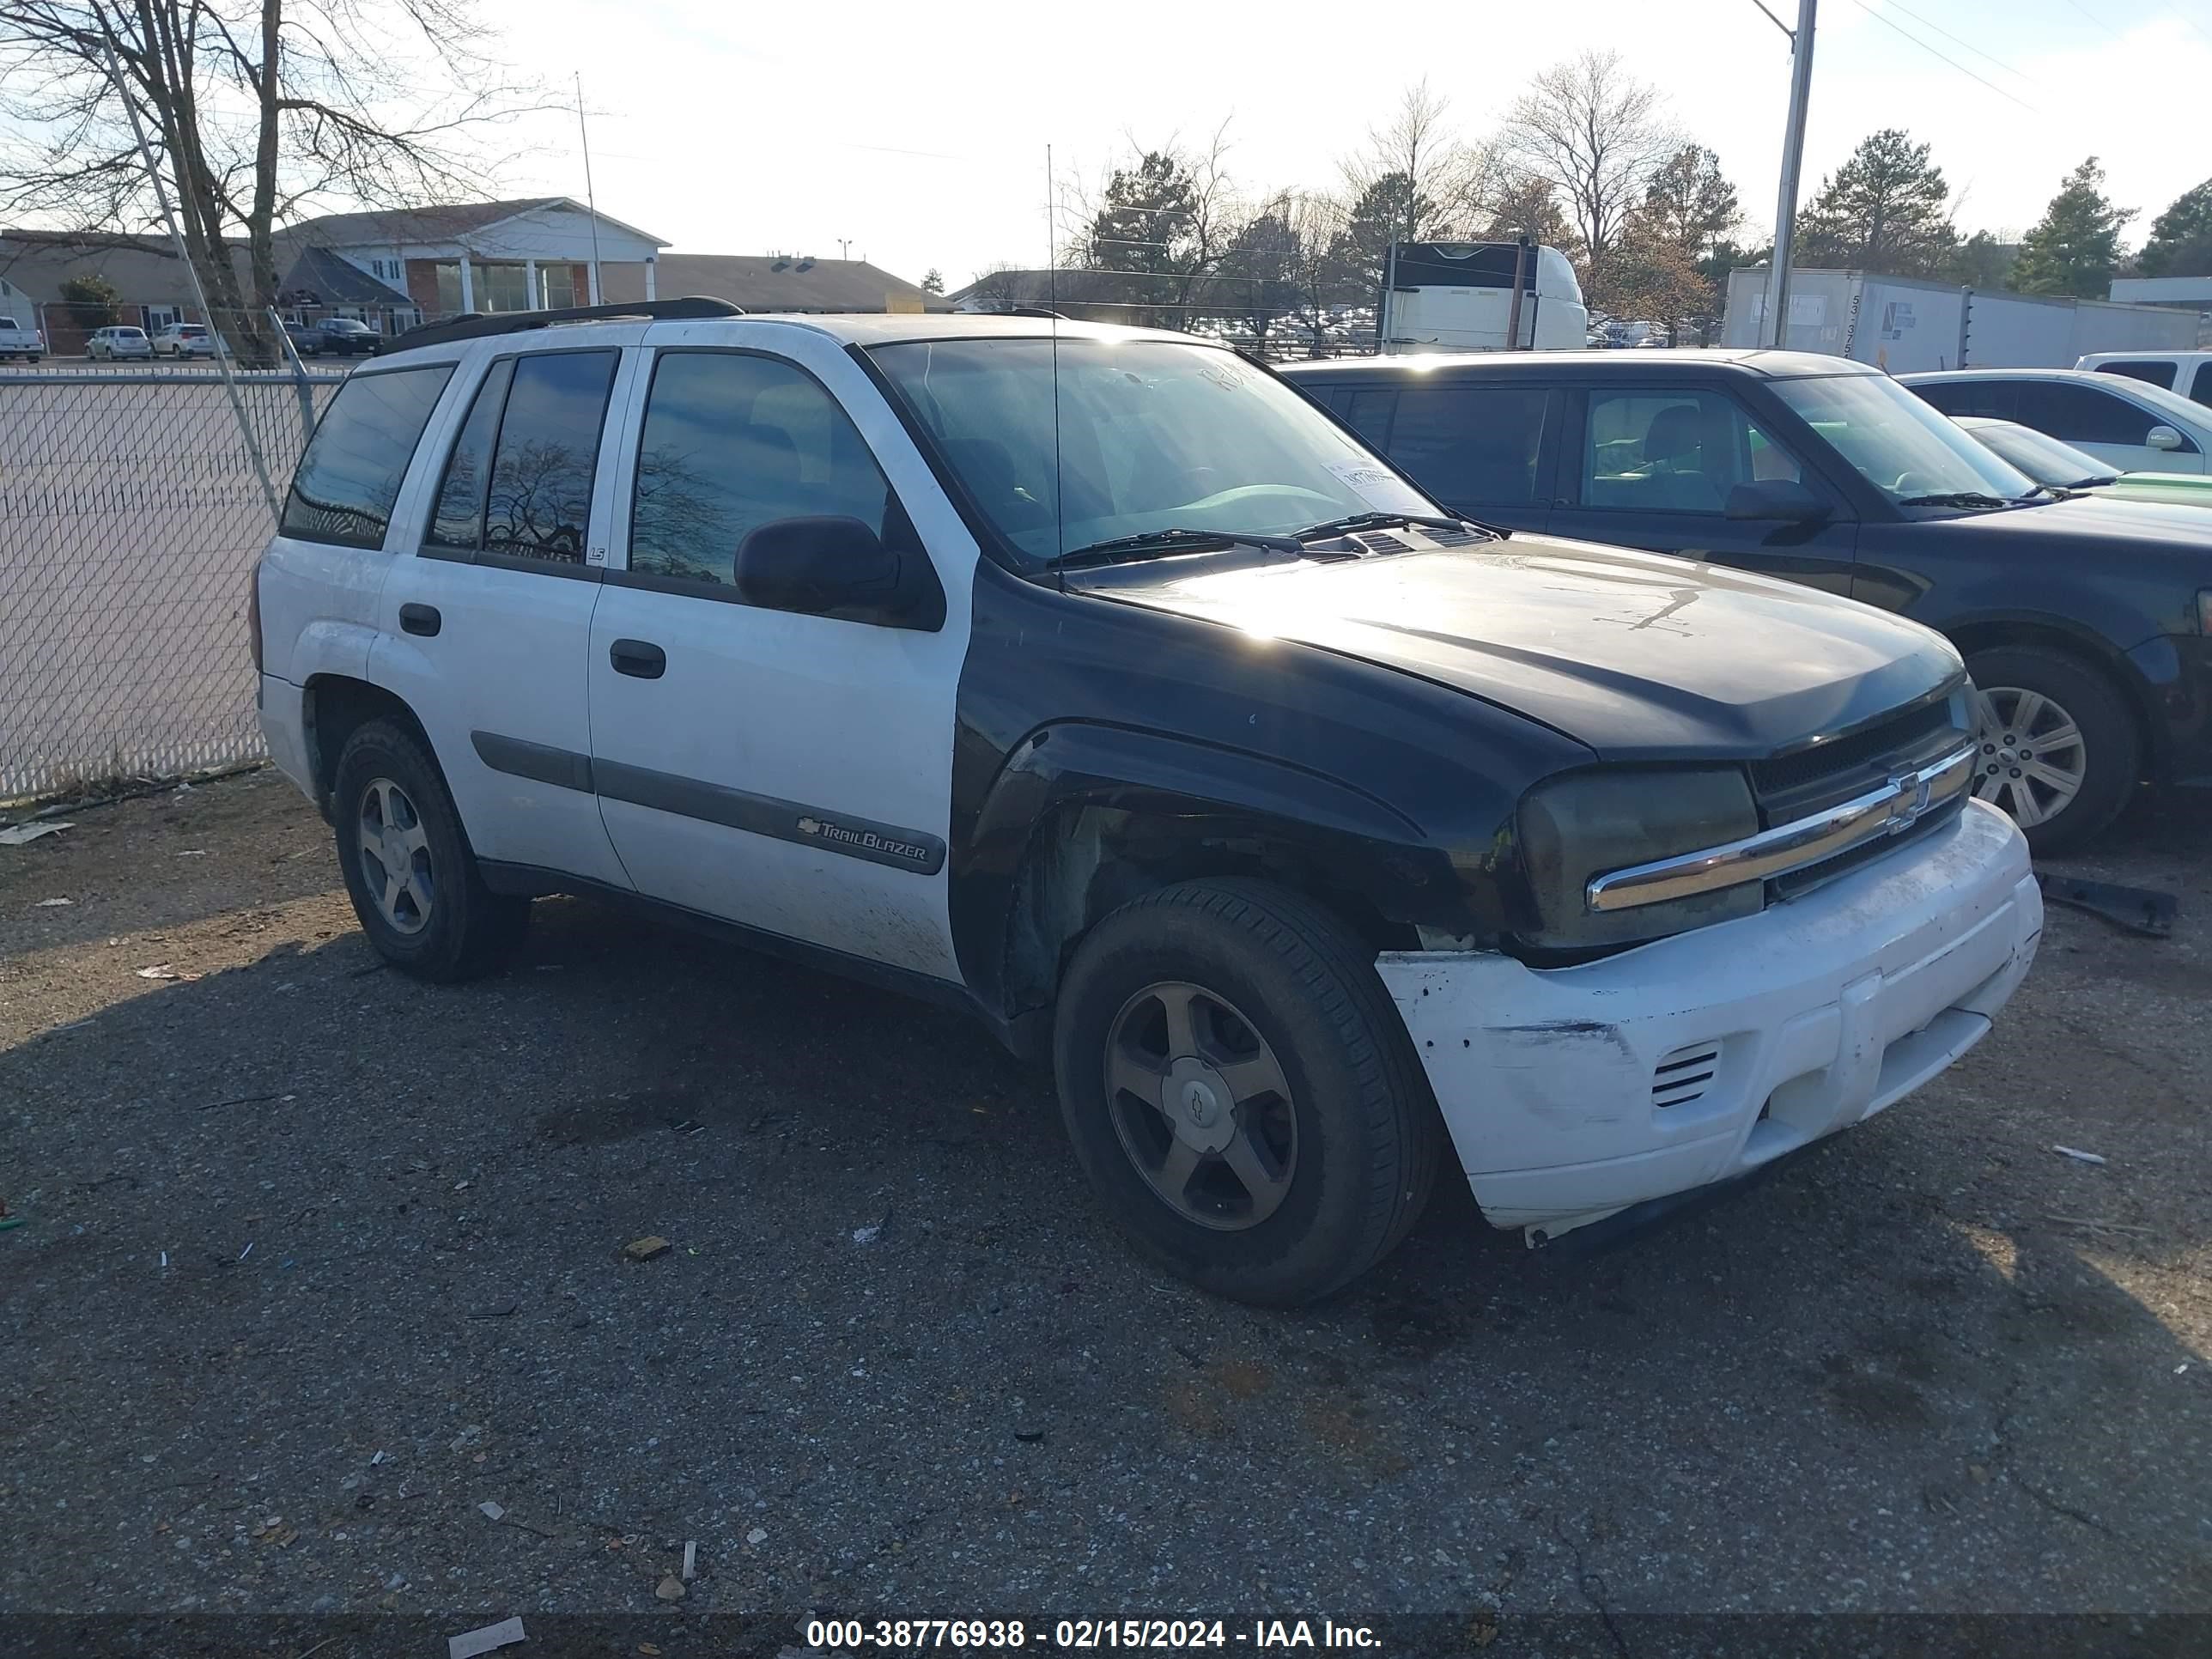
x,y
395,856
1202,1106
2029,757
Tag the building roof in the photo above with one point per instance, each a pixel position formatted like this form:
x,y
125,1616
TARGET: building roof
x,y
333,281
144,269
451,221
772,282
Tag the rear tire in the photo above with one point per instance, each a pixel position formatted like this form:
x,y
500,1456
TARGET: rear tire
x,y
1322,1168
2056,745
408,869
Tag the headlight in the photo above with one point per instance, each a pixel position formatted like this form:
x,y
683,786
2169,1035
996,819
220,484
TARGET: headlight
x,y
1585,823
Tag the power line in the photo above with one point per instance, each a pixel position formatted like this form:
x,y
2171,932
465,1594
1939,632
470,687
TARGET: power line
x,y
1968,45
1891,23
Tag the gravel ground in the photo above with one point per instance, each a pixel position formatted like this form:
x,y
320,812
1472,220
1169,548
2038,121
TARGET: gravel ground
x,y
316,1261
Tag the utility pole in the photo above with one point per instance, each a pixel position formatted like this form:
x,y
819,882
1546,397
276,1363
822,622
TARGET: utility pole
x,y
1774,328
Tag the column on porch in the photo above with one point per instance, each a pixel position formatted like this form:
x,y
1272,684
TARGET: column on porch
x,y
534,296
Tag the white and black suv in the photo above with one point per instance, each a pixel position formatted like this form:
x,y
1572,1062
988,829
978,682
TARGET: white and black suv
x,y
1095,682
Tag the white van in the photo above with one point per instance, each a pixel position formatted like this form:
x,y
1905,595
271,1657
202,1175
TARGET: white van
x,y
2189,372
1458,296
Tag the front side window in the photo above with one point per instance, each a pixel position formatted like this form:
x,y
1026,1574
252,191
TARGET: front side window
x,y
1673,451
349,477
1065,445
2083,414
537,419
1471,445
732,442
1901,444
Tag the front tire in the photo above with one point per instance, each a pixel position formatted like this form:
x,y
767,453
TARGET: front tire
x,y
2055,746
1240,1093
408,866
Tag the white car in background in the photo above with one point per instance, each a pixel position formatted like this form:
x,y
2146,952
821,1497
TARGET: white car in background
x,y
2131,425
2189,372
185,340
116,343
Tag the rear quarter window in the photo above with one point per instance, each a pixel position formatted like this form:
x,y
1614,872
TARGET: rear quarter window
x,y
350,478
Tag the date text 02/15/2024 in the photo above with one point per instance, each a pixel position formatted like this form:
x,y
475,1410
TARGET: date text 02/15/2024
x,y
1260,1634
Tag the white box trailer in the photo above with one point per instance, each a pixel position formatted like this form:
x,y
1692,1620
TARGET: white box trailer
x,y
1458,296
1906,324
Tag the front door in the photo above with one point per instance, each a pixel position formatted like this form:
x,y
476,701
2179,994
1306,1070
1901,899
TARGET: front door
x,y
790,773
1652,467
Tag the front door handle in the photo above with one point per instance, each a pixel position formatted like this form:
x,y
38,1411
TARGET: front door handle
x,y
639,659
422,619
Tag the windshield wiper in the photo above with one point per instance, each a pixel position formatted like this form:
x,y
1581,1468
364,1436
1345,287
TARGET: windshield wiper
x,y
1378,521
1171,541
1957,498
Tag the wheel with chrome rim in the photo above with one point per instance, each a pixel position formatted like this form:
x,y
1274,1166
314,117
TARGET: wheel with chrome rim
x,y
2031,761
2056,747
409,868
1241,1091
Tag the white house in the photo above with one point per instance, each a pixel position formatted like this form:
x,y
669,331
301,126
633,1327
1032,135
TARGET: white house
x,y
523,255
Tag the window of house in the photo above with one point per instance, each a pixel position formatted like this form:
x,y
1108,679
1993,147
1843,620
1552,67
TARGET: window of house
x,y
1679,452
2150,369
2083,414
503,287
350,476
731,443
1469,444
539,419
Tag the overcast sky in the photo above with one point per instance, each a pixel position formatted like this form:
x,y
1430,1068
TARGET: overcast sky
x,y
919,131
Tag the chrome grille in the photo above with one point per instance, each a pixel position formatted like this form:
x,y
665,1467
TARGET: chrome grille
x,y
1821,774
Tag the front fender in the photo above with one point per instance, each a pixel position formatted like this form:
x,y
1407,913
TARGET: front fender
x,y
1215,795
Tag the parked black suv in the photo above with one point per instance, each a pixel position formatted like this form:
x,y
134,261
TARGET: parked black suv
x,y
344,336
2083,623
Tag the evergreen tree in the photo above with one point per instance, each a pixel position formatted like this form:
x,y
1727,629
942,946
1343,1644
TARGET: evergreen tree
x,y
932,280
2075,247
2180,242
1884,210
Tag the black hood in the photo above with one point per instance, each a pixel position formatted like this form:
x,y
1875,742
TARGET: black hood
x,y
2168,528
1637,656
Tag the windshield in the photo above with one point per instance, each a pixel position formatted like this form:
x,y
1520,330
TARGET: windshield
x,y
1903,446
2043,458
1154,435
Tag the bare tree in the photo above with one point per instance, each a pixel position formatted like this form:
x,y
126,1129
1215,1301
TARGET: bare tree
x,y
1599,135
1416,163
1162,222
252,109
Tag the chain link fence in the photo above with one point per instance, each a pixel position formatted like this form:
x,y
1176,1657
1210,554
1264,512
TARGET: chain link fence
x,y
130,515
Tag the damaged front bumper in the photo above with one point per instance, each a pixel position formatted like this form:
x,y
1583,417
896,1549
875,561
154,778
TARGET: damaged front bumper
x,y
1574,1093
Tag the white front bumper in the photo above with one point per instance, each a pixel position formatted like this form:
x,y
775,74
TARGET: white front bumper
x,y
1820,1012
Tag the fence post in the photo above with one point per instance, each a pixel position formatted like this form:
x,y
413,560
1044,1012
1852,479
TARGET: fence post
x,y
298,380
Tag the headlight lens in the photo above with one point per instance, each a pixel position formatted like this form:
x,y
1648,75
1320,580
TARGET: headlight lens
x,y
1584,824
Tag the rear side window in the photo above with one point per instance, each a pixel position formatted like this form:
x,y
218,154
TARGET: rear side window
x,y
2150,369
518,484
350,476
732,442
1991,398
1469,444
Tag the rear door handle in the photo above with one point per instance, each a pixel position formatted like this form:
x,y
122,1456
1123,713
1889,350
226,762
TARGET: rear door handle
x,y
639,659
422,619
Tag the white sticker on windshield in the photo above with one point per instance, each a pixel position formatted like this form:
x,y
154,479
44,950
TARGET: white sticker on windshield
x,y
1379,487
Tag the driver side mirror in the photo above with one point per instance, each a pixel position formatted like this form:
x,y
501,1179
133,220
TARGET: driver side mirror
x,y
1779,500
838,567
2163,436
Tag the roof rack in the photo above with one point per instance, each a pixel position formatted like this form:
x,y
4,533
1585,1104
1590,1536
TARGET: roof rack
x,y
477,325
1034,310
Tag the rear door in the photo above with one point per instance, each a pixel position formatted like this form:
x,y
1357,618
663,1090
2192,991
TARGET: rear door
x,y
1478,448
485,629
786,772
1651,467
